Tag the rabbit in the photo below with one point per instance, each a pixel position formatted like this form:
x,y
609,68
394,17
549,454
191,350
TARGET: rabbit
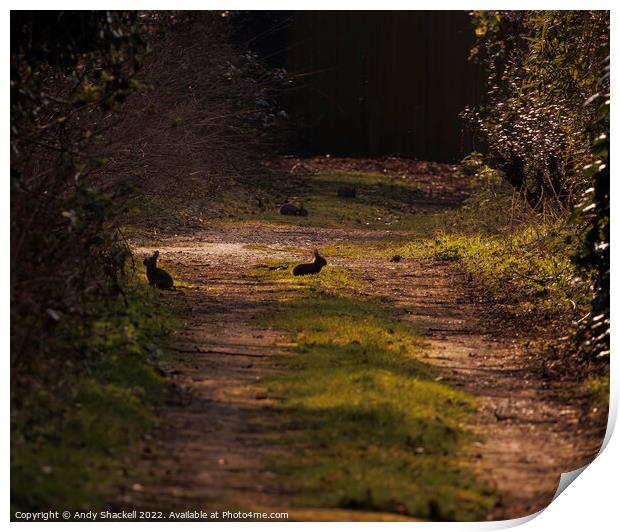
x,y
156,276
312,267
347,191
293,210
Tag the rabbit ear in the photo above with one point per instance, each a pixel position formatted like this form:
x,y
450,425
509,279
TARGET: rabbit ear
x,y
316,252
156,254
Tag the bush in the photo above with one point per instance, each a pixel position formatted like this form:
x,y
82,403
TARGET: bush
x,y
545,123
594,335
70,71
107,108
542,66
209,117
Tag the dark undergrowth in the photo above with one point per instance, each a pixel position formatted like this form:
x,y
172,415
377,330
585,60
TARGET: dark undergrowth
x,y
370,426
72,438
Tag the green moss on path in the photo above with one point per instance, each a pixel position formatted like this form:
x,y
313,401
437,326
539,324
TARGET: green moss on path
x,y
370,427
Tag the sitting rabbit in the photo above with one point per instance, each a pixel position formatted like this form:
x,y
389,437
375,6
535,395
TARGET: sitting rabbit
x,y
293,210
347,191
156,276
312,267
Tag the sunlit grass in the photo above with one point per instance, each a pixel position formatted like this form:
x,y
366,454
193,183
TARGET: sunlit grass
x,y
330,280
526,267
382,202
598,388
370,426
68,446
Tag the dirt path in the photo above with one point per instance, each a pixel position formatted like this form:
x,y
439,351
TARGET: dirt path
x,y
211,444
534,425
210,449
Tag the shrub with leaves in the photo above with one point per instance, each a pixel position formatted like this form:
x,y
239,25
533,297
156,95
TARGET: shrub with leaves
x,y
593,337
545,123
542,65
70,71
208,117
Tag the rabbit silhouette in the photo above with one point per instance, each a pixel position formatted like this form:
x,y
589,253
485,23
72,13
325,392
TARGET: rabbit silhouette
x,y
291,209
156,276
312,267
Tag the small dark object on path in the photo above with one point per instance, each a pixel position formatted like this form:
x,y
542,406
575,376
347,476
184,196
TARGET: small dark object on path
x,y
291,209
396,258
347,192
274,268
312,267
156,276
